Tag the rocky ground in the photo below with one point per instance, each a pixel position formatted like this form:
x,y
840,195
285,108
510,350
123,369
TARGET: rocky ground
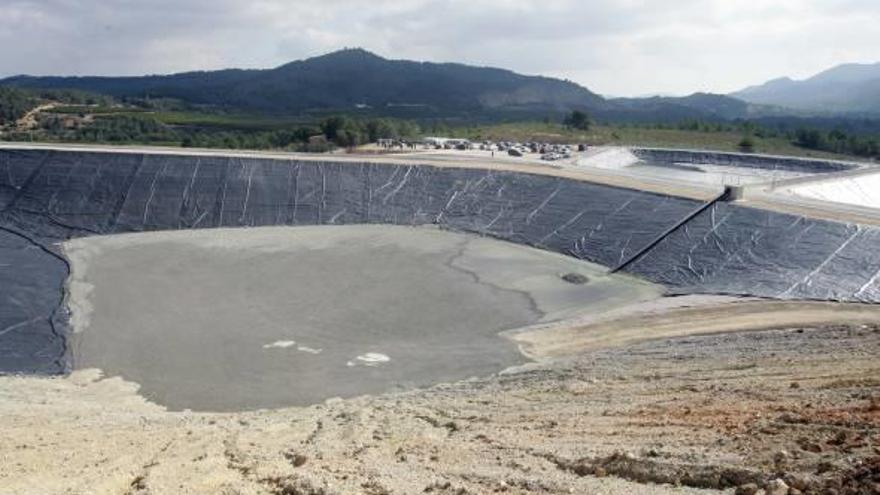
x,y
794,410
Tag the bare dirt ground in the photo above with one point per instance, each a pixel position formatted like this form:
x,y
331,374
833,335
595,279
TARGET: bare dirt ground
x,y
681,316
30,120
794,409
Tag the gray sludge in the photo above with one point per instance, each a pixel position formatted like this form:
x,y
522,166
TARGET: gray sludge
x,y
49,196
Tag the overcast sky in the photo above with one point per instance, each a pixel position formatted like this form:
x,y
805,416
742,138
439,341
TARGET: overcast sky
x,y
614,47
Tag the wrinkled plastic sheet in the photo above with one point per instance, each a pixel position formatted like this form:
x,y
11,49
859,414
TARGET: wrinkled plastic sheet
x,y
662,157
31,333
47,197
730,249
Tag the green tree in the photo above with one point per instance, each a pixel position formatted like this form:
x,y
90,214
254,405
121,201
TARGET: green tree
x,y
577,120
809,138
14,103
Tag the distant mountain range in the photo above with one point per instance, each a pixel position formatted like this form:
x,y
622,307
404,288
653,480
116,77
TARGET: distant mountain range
x,y
355,80
848,88
347,80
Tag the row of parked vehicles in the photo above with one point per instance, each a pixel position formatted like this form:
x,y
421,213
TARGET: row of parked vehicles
x,y
548,151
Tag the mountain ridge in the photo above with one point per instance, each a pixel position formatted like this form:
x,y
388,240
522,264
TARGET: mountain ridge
x,y
356,80
342,80
846,88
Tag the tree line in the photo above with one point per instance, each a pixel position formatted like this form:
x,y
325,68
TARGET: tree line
x,y
14,104
323,135
838,141
329,132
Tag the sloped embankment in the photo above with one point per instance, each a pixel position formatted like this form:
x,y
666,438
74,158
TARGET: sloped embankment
x,y
49,196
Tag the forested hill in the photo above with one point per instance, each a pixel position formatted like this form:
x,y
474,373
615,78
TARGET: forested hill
x,y
357,81
346,80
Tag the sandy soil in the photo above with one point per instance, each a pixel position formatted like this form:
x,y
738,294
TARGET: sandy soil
x,y
681,316
30,120
798,405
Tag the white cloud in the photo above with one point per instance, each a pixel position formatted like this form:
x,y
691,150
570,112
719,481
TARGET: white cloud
x,y
620,47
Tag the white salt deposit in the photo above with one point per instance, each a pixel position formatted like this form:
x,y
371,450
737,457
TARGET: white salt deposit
x,y
309,350
369,359
280,344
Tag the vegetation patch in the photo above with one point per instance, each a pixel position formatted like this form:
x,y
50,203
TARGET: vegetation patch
x,y
78,116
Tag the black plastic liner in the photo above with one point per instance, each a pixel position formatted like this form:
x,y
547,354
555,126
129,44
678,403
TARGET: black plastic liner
x,y
47,197
668,157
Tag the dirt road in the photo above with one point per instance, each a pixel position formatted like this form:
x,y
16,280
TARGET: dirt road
x,y
681,316
29,120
